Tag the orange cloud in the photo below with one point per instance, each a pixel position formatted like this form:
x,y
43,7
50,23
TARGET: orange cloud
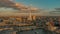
x,y
10,4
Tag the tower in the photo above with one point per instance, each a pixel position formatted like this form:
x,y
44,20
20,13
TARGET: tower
x,y
30,14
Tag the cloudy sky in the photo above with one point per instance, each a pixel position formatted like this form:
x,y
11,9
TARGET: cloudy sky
x,y
42,4
45,4
48,5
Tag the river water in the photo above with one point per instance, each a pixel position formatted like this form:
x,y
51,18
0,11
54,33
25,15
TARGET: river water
x,y
36,31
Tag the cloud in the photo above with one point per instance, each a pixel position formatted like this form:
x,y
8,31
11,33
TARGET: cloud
x,y
11,4
8,4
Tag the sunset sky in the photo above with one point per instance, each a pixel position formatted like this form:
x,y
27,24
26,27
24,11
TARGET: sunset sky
x,y
47,6
44,4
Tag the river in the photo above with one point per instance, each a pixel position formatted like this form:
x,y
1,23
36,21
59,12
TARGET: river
x,y
36,31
